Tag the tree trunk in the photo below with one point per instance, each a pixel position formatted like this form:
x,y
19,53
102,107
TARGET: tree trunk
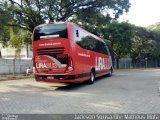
x,y
14,66
158,62
117,62
17,53
27,50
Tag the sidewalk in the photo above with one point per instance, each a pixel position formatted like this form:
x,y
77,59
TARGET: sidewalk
x,y
12,77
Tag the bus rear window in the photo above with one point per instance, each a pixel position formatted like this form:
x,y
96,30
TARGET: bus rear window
x,y
50,31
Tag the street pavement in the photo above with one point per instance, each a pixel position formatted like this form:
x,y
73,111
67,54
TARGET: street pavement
x,y
127,91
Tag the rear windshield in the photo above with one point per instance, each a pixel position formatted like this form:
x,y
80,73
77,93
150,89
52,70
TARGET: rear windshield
x,y
50,31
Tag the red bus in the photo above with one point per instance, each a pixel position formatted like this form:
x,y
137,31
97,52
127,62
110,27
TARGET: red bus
x,y
64,52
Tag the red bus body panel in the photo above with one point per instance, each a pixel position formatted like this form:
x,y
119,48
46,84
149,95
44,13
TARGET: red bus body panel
x,y
82,60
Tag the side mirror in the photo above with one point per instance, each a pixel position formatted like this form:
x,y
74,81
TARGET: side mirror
x,y
77,33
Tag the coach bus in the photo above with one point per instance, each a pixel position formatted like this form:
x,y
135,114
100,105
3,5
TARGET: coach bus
x,y
64,52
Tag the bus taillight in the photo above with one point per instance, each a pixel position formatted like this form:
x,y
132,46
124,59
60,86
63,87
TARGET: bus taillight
x,y
70,64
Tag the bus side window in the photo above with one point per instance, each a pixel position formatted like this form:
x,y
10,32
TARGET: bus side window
x,y
77,33
108,52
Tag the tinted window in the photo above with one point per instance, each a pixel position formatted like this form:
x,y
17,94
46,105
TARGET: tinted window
x,y
87,42
106,50
63,59
101,48
91,43
50,31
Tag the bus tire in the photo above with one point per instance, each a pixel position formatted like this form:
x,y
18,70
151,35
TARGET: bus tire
x,y
110,72
92,77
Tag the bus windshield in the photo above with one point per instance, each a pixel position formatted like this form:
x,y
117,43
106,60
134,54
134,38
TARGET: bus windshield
x,y
48,31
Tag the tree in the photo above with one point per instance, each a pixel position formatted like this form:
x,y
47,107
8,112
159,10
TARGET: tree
x,y
92,21
120,34
27,14
145,45
18,38
155,32
13,36
4,29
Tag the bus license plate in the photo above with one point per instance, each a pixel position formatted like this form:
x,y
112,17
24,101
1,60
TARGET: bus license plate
x,y
50,77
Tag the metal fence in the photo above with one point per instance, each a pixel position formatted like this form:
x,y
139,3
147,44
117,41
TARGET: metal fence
x,y
143,63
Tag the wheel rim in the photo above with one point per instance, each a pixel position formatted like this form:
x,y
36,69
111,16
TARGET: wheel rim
x,y
110,72
92,76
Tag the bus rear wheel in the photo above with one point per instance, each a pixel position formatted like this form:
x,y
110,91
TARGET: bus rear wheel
x,y
110,72
92,77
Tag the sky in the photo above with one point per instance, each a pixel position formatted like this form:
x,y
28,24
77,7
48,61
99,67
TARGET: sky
x,y
143,12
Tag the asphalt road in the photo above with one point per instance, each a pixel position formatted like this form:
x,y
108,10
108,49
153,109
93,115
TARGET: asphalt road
x,y
132,91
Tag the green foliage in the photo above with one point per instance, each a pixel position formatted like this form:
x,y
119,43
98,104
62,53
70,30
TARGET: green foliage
x,y
15,40
4,30
29,13
155,33
155,27
4,37
18,19
143,48
26,36
120,34
145,44
26,14
12,35
15,37
92,21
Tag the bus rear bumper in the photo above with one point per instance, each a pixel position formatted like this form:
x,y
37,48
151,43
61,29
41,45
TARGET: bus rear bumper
x,y
61,78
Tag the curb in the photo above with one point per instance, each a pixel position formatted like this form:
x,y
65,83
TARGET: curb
x,y
15,78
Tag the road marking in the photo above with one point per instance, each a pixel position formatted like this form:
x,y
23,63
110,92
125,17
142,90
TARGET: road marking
x,y
112,105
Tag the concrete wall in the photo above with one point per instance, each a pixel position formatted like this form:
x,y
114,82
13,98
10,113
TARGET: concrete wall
x,y
6,66
9,52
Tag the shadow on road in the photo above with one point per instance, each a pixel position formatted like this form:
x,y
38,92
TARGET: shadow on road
x,y
70,87
44,87
76,86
